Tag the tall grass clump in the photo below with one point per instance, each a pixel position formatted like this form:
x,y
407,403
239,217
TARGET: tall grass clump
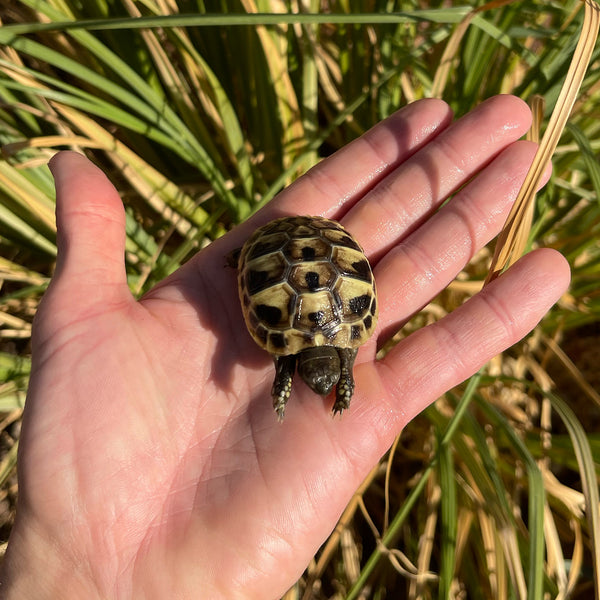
x,y
200,112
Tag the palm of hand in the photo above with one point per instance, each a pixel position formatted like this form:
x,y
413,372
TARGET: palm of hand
x,y
151,460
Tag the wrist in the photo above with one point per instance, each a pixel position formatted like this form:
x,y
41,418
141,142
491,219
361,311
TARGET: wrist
x,y
33,568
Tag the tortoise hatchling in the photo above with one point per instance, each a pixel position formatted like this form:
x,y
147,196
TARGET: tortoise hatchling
x,y
308,296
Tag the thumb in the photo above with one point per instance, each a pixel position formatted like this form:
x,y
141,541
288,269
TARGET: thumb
x,y
90,276
90,223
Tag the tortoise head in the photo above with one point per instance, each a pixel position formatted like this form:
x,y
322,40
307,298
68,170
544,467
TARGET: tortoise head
x,y
319,367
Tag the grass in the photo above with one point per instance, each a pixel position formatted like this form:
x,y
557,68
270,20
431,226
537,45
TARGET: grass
x,y
487,494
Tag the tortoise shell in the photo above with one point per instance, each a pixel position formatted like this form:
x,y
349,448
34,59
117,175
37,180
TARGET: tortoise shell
x,y
306,282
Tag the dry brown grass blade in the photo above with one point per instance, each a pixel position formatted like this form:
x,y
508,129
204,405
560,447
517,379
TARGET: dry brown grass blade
x,y
576,560
11,149
513,237
427,540
556,566
537,105
388,477
443,71
26,194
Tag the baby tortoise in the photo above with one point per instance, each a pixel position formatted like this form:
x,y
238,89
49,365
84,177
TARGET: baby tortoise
x,y
308,297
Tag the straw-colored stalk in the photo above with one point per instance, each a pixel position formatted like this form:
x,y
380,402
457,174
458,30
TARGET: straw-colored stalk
x,y
513,237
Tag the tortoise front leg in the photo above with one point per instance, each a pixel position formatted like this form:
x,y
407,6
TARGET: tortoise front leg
x,y
285,366
345,386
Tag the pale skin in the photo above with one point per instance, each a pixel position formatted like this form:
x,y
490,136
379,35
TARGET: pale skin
x,y
151,462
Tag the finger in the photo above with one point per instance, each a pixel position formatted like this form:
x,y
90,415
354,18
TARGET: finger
x,y
90,223
406,197
430,258
438,357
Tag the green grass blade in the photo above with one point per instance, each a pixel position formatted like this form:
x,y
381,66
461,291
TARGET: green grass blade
x,y
393,531
441,15
589,157
536,501
589,480
448,520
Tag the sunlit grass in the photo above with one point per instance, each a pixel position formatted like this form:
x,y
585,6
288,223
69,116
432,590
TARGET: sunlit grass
x,y
201,119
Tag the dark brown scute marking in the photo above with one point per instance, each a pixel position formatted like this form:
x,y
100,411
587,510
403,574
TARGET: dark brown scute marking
x,y
316,317
272,226
246,300
339,303
256,281
269,314
306,249
253,320
362,269
291,305
277,340
355,332
261,334
308,253
321,223
271,244
368,322
312,280
232,258
359,304
283,224
347,241
374,307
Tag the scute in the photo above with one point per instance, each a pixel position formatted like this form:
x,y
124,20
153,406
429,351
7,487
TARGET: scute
x,y
280,296
307,249
303,282
265,271
313,276
317,313
267,244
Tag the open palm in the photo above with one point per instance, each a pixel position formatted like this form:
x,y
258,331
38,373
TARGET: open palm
x,y
151,463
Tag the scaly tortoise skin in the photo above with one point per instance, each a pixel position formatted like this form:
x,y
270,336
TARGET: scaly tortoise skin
x,y
308,296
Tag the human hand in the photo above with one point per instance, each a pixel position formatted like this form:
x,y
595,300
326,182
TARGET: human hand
x,y
151,463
